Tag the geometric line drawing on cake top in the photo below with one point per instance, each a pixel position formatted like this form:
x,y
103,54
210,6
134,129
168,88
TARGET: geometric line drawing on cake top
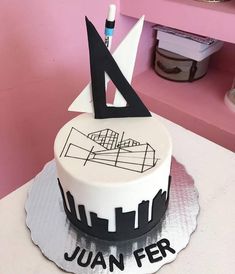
x,y
124,220
109,148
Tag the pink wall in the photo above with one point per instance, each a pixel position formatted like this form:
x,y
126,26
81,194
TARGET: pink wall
x,y
44,64
224,59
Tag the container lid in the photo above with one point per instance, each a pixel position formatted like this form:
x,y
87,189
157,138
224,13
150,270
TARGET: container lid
x,y
169,54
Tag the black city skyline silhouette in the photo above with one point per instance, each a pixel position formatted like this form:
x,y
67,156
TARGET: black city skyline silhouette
x,y
125,221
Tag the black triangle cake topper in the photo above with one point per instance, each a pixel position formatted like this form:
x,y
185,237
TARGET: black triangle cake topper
x,y
101,61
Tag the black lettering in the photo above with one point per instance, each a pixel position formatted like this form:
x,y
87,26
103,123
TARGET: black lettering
x,y
138,256
98,260
164,245
150,253
113,261
73,256
81,256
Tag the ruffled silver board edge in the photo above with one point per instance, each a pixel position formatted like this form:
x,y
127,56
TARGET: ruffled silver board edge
x,y
52,232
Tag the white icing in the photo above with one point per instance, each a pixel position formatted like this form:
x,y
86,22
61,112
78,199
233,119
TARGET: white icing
x,y
100,187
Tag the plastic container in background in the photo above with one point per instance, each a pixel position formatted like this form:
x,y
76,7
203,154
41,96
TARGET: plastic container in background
x,y
178,68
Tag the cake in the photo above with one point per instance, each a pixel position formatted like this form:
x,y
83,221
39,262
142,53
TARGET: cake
x,y
114,174
113,165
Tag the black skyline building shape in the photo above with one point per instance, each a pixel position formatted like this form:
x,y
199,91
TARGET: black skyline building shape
x,y
143,209
125,221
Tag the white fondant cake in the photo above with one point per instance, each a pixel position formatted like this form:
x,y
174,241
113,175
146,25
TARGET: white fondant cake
x,y
114,174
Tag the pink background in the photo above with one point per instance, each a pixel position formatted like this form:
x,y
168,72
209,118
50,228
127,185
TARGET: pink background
x,y
44,65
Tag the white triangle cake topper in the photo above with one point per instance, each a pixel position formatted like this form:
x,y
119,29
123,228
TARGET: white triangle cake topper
x,y
125,56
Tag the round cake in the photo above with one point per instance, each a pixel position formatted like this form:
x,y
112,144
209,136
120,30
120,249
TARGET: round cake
x,y
114,174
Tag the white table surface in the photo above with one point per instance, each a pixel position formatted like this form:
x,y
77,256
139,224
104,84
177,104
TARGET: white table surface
x,y
210,250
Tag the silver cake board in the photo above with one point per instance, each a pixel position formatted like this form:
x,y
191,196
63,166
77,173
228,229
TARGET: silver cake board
x,y
79,253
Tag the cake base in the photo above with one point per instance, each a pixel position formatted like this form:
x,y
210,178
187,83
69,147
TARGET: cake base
x,y
76,252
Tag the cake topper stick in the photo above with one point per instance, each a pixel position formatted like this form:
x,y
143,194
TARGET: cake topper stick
x,y
109,25
126,50
109,28
108,31
101,61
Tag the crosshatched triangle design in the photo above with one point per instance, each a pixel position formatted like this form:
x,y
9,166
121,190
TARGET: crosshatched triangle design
x,y
101,61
